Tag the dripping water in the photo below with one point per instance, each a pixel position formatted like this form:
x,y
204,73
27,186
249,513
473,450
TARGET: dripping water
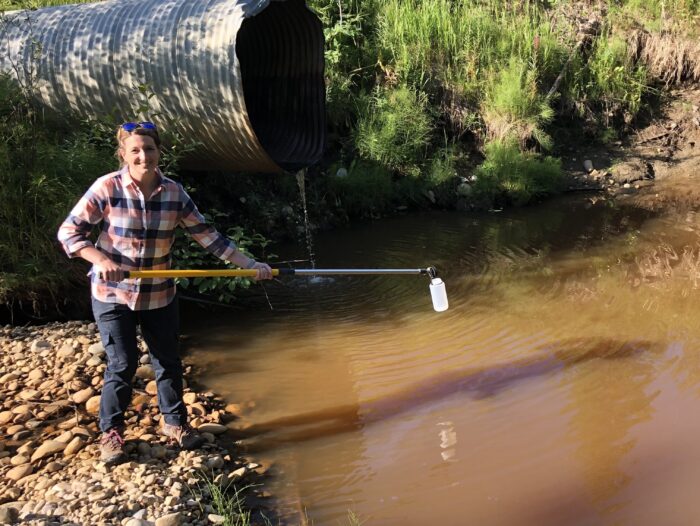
x,y
300,176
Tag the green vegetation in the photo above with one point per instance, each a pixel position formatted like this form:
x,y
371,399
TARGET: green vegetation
x,y
43,169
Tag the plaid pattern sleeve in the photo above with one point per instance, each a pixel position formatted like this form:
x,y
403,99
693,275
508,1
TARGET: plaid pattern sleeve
x,y
73,233
137,232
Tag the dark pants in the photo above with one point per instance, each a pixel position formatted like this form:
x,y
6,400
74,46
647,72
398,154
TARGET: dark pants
x,y
160,328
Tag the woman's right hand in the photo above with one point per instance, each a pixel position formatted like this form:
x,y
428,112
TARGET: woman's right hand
x,y
108,270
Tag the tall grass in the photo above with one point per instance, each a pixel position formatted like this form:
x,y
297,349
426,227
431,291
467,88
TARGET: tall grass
x,y
610,85
515,107
457,43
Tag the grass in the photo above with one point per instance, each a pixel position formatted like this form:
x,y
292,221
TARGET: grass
x,y
509,175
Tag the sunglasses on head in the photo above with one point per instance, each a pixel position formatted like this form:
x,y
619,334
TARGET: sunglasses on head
x,y
131,126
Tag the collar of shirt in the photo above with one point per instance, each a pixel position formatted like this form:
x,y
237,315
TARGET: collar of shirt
x,y
127,180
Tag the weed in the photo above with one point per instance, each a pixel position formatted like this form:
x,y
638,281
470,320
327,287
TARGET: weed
x,y
393,128
511,175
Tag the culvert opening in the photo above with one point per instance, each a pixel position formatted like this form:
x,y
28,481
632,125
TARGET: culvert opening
x,y
280,52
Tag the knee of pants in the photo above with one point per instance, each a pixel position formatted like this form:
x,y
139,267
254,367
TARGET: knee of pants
x,y
170,364
120,361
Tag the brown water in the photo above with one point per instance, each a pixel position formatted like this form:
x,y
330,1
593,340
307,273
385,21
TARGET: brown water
x,y
561,388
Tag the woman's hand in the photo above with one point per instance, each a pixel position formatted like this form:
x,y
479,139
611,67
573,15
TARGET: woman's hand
x,y
109,271
264,270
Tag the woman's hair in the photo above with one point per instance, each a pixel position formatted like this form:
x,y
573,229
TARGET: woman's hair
x,y
122,135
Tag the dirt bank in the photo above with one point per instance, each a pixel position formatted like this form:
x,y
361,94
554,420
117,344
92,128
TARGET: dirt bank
x,y
657,167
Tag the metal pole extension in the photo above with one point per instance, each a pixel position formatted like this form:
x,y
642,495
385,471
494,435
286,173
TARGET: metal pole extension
x,y
191,273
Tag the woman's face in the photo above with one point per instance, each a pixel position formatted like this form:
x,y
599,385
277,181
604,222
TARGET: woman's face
x,y
141,155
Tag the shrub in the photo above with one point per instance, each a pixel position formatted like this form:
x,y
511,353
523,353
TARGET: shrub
x,y
511,175
393,128
514,107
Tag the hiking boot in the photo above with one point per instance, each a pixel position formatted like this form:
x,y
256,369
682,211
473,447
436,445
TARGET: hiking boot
x,y
184,436
112,447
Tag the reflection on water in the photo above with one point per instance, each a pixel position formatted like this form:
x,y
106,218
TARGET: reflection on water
x,y
561,387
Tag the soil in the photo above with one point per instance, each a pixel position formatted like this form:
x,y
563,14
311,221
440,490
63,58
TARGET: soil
x,y
655,167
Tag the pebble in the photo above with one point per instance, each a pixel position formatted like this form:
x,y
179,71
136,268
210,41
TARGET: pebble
x,y
49,451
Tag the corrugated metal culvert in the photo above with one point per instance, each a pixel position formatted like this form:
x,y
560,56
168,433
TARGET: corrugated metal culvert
x,y
242,77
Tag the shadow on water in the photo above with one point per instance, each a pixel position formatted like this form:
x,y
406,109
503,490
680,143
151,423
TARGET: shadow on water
x,y
478,383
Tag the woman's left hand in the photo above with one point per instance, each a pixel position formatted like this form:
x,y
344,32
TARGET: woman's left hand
x,y
264,270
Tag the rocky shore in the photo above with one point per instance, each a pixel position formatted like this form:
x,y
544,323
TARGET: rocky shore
x,y
50,383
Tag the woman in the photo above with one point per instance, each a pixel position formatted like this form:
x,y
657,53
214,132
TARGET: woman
x,y
138,210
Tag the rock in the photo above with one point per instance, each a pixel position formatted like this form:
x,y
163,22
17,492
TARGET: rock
x,y
152,388
146,372
83,395
92,406
18,460
189,398
464,189
172,519
36,374
74,446
216,462
39,346
214,429
8,514
158,451
137,522
588,165
53,466
94,361
48,448
216,519
19,472
97,349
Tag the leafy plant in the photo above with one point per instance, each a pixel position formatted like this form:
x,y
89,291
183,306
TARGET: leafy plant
x,y
188,254
510,175
394,128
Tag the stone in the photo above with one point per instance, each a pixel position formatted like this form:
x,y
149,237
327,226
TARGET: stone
x,y
75,445
92,406
18,460
189,398
214,429
145,372
96,349
8,514
152,388
36,374
136,522
19,472
216,519
48,448
39,346
172,519
215,462
83,395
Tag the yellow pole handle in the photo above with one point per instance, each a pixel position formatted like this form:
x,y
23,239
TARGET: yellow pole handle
x,y
239,273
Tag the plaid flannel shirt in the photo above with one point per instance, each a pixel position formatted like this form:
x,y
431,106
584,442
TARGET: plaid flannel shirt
x,y
137,233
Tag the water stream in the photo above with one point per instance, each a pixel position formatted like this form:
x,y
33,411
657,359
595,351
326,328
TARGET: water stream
x,y
562,386
301,182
